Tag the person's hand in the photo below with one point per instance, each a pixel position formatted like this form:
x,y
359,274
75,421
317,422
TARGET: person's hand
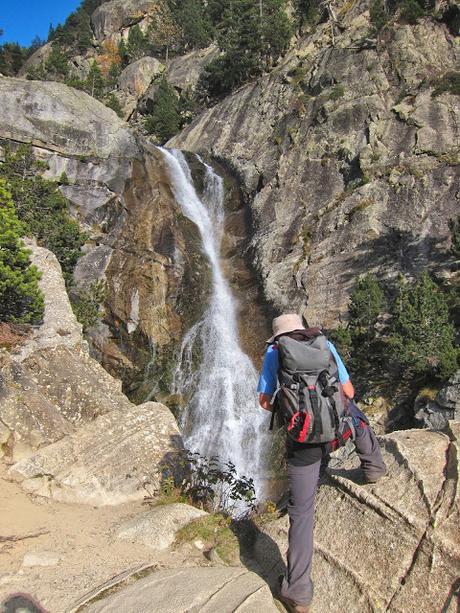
x,y
264,401
348,389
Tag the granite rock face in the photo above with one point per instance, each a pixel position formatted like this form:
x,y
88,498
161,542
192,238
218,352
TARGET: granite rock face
x,y
206,590
349,162
49,383
182,73
145,252
377,545
135,80
64,420
105,462
111,17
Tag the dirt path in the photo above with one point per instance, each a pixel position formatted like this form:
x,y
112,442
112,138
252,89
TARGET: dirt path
x,y
78,542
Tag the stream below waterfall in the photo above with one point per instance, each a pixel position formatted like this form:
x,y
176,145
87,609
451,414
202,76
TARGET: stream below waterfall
x,y
222,417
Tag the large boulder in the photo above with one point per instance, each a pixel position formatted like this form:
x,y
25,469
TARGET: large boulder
x,y
182,73
65,422
393,545
111,17
109,460
157,528
135,80
207,590
62,119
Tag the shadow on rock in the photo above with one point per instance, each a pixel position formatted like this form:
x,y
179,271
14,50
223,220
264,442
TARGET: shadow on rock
x,y
259,553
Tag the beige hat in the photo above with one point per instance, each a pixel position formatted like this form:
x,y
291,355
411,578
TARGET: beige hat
x,y
284,324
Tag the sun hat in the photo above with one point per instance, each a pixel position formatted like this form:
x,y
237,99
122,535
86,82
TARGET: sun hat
x,y
284,324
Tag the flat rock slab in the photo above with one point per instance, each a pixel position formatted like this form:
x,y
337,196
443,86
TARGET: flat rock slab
x,y
106,461
389,546
197,590
157,528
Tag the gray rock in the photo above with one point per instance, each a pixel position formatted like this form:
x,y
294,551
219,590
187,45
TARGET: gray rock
x,y
157,528
182,72
340,182
60,326
41,558
207,590
112,16
37,58
136,77
449,396
63,119
375,545
107,461
134,81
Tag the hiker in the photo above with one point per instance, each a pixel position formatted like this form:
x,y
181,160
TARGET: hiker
x,y
314,399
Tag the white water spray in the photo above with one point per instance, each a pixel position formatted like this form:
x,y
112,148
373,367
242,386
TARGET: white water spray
x,y
222,417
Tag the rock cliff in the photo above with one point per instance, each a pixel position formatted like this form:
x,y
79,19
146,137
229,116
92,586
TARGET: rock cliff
x,y
64,422
140,245
348,156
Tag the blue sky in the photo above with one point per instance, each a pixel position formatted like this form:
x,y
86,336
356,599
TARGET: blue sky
x,y
22,20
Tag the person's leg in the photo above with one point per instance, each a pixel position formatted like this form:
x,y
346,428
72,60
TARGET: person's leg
x,y
367,446
297,584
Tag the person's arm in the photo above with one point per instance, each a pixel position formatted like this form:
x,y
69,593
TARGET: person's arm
x,y
344,377
268,378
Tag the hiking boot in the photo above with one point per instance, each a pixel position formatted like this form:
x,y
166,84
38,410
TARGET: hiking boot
x,y
373,477
294,607
290,605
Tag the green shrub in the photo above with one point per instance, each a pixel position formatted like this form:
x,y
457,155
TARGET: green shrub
x,y
21,300
86,304
378,15
165,119
421,335
113,103
411,11
337,92
42,208
450,83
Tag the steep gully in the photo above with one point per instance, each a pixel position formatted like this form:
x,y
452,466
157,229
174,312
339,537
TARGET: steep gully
x,y
213,372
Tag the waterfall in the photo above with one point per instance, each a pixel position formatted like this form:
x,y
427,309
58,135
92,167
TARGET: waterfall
x,y
222,416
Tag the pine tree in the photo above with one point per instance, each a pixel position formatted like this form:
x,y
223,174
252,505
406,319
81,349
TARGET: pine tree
x,y
196,25
421,335
137,44
366,304
164,121
95,83
21,300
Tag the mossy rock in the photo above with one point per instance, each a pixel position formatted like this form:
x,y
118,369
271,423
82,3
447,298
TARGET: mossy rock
x,y
215,532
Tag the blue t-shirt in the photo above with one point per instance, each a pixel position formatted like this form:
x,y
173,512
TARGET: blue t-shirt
x,y
269,375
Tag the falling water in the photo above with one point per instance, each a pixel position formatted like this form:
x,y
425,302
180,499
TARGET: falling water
x,y
222,417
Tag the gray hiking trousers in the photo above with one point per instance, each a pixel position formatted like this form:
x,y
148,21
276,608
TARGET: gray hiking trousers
x,y
303,481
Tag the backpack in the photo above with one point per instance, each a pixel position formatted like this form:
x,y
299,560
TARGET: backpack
x,y
310,400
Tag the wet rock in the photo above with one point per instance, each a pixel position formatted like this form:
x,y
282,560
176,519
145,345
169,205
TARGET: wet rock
x,y
148,256
157,528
